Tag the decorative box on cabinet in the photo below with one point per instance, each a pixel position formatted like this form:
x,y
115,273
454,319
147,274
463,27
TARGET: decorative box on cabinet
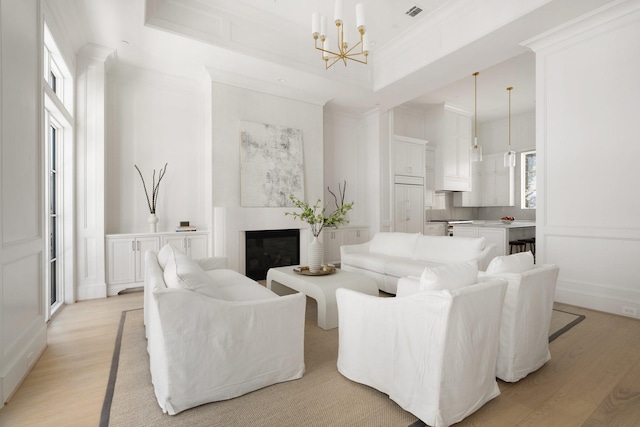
x,y
192,243
449,128
334,238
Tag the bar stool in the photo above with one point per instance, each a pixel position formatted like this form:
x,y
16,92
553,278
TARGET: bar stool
x,y
519,245
532,246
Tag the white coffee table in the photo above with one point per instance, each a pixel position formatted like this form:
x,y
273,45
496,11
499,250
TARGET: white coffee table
x,y
321,288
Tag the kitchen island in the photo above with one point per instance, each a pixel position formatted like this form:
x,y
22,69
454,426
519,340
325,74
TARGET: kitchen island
x,y
497,232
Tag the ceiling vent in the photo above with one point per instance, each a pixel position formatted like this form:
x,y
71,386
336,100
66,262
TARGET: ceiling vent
x,y
413,11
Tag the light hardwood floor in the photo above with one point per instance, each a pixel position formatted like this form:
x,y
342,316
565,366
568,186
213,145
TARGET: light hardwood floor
x,y
593,378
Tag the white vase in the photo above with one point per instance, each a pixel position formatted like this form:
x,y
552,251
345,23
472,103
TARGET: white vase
x,y
153,223
314,254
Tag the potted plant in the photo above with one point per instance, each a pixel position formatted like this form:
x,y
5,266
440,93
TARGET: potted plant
x,y
315,215
155,189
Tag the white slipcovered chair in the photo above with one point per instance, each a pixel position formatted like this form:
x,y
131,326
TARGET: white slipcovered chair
x,y
433,352
526,314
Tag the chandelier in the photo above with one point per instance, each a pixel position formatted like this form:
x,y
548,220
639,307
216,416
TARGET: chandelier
x,y
341,51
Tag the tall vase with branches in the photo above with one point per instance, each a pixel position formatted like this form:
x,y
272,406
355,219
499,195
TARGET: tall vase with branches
x,y
153,200
315,215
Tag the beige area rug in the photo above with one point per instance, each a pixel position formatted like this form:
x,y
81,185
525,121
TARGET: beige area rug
x,y
322,397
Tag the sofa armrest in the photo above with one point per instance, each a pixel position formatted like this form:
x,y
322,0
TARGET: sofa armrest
x,y
407,286
352,249
485,257
213,263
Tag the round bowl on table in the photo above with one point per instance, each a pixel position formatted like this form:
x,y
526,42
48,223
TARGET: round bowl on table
x,y
506,221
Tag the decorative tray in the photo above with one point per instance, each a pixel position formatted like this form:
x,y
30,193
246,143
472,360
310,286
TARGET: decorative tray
x,y
324,270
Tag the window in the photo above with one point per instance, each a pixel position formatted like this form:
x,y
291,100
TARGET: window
x,y
53,225
528,180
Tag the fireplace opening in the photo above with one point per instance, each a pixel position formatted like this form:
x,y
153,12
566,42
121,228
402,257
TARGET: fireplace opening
x,y
265,249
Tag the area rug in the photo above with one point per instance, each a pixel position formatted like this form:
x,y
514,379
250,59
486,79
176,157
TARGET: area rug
x,y
322,397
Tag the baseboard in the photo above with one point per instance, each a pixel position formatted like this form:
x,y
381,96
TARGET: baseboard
x,y
86,292
113,290
598,302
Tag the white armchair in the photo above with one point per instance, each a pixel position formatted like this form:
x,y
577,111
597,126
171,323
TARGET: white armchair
x,y
526,317
433,352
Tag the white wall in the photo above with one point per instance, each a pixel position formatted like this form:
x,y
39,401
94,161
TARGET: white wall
x,y
229,106
588,219
153,119
22,319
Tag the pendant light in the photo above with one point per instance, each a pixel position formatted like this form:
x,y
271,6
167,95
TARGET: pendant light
x,y
509,156
476,150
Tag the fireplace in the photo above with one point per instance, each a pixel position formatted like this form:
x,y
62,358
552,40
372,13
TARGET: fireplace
x,y
270,248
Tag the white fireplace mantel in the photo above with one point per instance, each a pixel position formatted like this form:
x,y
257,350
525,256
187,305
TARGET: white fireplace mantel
x,y
230,224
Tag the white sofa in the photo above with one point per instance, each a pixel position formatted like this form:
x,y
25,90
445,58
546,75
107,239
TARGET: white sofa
x,y
214,334
388,256
433,352
526,314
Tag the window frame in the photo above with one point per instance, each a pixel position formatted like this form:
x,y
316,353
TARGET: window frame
x,y
525,173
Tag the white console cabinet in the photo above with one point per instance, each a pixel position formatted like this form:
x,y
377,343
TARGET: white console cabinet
x,y
125,255
334,238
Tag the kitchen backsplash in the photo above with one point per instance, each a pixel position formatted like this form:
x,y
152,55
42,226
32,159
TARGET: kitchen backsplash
x,y
493,213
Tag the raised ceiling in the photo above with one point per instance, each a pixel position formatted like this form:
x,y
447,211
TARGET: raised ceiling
x,y
266,45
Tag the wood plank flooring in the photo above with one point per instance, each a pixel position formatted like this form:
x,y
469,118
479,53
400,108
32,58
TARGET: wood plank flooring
x,y
593,378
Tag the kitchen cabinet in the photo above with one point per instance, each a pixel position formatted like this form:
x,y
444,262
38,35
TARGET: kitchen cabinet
x,y
333,238
497,233
498,182
430,177
409,206
125,257
125,254
408,156
435,229
471,198
191,243
450,129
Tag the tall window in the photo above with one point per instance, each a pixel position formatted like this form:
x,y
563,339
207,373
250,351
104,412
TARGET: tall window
x,y
528,180
57,84
53,226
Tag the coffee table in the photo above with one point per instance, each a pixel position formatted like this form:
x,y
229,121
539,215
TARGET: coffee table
x,y
321,288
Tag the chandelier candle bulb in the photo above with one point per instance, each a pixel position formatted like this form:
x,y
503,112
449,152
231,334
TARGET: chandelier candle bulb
x,y
323,26
338,12
360,21
345,38
325,48
365,43
315,24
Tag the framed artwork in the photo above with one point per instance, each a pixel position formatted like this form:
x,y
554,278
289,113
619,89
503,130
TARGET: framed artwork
x,y
271,165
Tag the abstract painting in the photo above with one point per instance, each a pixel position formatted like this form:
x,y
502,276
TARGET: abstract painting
x,y
271,165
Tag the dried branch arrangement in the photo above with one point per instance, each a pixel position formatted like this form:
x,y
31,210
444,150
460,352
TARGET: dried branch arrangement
x,y
155,187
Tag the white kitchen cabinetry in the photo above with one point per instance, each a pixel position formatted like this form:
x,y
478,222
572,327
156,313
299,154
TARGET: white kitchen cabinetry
x,y
449,128
430,177
125,255
408,156
193,244
471,198
497,182
409,207
435,229
334,238
125,258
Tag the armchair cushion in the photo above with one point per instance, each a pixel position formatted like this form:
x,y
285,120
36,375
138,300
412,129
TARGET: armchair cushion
x,y
516,263
449,276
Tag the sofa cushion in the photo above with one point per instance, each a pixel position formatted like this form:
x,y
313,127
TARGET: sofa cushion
x,y
449,276
243,293
368,261
394,244
163,255
403,267
183,272
224,277
446,249
516,263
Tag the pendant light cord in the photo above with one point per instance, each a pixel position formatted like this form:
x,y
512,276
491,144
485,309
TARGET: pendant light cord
x,y
475,109
509,123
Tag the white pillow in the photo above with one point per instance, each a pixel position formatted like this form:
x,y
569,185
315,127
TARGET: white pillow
x,y
164,254
183,272
516,263
449,276
394,244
